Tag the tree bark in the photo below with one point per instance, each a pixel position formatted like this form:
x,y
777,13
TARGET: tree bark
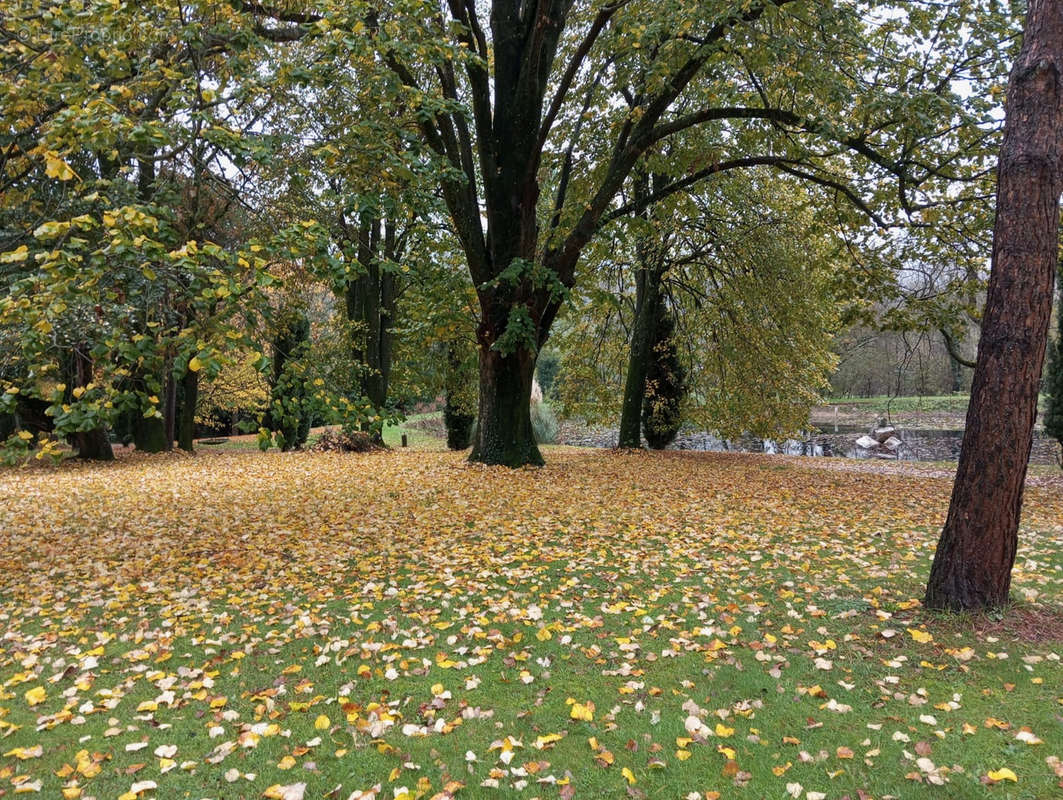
x,y
647,303
170,407
149,434
972,565
186,422
458,413
504,434
648,278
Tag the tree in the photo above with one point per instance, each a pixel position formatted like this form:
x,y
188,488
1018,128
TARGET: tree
x,y
459,385
665,385
777,82
114,163
753,278
976,551
289,413
651,255
1054,375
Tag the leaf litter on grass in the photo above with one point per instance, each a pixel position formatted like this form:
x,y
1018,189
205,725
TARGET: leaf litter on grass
x,y
404,625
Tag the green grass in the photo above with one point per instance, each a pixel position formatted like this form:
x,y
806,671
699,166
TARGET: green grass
x,y
953,402
883,403
304,586
416,438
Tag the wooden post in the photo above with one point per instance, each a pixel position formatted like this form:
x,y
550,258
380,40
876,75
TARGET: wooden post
x,y
404,443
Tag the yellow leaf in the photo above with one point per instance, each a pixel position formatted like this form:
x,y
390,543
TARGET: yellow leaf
x,y
921,636
194,364
542,742
723,731
682,755
56,168
582,711
1002,774
286,763
628,775
322,723
35,696
19,254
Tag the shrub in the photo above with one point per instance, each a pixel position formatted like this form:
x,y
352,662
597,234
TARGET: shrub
x,y
544,423
289,414
333,441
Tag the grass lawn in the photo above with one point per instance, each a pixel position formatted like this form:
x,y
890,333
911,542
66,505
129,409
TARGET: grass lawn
x,y
883,403
404,625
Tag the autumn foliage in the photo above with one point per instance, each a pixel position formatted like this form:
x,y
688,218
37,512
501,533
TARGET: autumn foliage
x,y
286,625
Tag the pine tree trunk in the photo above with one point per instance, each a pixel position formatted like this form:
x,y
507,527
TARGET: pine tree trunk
x,y
972,565
504,430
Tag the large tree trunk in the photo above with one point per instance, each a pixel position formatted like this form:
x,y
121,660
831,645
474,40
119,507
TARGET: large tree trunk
x,y
972,565
149,434
458,413
170,407
504,432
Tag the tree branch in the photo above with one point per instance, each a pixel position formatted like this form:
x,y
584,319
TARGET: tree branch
x,y
953,350
569,75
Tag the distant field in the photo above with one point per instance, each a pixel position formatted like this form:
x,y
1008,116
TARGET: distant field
x,y
947,402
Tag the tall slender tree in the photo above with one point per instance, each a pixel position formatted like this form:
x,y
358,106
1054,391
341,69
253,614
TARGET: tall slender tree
x,y
972,565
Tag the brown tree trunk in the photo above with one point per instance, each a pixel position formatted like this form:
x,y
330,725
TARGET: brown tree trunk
x,y
504,434
647,307
372,301
972,565
649,274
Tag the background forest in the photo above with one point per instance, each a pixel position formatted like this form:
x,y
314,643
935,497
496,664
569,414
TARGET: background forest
x,y
221,218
